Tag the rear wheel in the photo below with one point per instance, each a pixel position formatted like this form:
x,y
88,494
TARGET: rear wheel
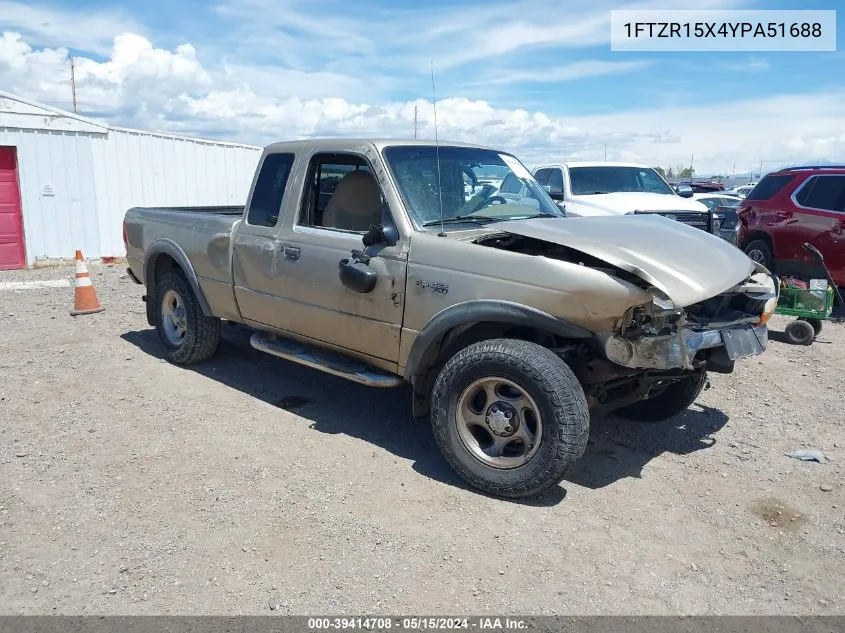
x,y
760,252
669,401
188,335
800,332
509,416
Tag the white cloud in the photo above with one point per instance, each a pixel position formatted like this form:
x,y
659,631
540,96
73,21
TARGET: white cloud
x,y
570,72
135,78
364,35
141,85
90,31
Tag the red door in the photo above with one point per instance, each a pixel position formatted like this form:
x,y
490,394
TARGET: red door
x,y
11,221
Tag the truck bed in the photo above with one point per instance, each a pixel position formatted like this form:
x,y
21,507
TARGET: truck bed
x,y
202,233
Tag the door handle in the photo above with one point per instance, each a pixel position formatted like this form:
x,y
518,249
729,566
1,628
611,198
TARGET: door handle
x,y
291,252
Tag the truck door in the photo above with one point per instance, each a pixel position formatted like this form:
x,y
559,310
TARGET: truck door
x,y
255,243
341,199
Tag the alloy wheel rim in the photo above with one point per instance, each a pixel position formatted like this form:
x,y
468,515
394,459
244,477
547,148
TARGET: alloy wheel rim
x,y
173,317
499,423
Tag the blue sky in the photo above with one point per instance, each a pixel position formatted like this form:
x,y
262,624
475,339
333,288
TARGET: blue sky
x,y
537,77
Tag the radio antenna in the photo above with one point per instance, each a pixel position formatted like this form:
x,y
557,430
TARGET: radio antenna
x,y
437,152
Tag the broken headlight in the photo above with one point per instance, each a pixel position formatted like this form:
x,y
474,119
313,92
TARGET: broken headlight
x,y
660,317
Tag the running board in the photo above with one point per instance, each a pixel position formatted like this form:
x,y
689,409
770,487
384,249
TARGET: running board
x,y
324,360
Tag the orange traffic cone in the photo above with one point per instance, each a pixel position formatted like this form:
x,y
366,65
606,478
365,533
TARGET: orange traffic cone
x,y
85,299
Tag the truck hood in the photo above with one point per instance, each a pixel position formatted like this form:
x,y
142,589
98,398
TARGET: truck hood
x,y
688,264
626,202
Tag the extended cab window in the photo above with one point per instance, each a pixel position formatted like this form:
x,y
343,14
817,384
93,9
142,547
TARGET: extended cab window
x,y
266,203
342,194
768,187
823,192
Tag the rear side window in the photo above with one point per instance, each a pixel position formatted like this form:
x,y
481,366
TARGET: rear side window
x,y
266,203
823,192
768,187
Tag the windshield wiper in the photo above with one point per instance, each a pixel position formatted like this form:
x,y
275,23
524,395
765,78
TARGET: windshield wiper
x,y
460,218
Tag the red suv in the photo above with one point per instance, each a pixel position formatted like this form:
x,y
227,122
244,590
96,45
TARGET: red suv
x,y
791,207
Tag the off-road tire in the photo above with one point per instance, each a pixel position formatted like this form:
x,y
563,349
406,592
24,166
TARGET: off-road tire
x,y
817,325
556,392
763,247
800,332
202,336
677,397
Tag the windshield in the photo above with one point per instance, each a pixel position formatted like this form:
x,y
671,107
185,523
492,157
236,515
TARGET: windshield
x,y
475,185
586,181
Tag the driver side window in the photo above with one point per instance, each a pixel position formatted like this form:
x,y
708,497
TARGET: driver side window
x,y
341,194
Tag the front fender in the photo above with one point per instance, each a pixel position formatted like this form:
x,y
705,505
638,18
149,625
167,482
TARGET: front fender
x,y
427,343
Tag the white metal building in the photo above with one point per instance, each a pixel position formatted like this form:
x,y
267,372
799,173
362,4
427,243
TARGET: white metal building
x,y
66,181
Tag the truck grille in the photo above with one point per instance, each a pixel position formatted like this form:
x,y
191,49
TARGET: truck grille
x,y
697,220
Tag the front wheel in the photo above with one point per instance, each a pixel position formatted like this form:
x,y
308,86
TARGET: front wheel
x,y
665,402
509,416
188,335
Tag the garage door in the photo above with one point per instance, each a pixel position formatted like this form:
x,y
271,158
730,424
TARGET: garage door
x,y
11,221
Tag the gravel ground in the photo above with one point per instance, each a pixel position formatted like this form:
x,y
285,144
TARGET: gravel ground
x,y
252,485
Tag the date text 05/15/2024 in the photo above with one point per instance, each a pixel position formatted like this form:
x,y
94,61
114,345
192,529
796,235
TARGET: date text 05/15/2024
x,y
417,623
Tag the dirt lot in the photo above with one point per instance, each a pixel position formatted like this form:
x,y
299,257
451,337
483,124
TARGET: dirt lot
x,y
252,485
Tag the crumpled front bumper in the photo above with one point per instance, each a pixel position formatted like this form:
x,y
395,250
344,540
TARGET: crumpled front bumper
x,y
677,351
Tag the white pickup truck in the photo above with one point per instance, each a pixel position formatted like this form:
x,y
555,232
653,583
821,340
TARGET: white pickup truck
x,y
608,188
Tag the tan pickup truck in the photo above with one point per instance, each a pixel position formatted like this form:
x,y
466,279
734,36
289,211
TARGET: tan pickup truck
x,y
391,262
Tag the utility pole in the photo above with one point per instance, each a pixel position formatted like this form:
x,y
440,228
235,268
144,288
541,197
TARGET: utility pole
x,y
415,121
73,81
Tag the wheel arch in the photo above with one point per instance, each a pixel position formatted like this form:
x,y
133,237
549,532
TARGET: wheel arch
x,y
162,256
463,324
755,234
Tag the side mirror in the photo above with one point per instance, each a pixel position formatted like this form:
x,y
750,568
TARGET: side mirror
x,y
380,234
356,273
555,192
685,191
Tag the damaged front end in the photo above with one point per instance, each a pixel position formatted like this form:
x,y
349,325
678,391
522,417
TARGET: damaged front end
x,y
659,344
700,303
713,333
